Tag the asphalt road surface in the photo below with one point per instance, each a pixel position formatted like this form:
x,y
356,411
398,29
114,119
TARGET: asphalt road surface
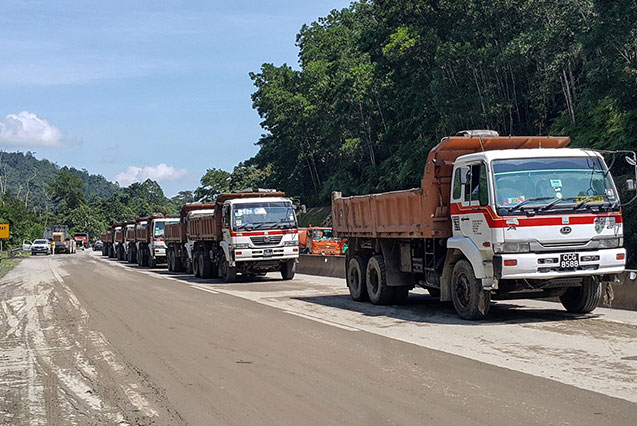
x,y
90,340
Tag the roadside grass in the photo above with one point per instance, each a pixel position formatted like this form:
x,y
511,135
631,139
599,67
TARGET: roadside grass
x,y
8,263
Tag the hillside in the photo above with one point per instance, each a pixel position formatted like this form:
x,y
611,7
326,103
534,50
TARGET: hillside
x,y
27,178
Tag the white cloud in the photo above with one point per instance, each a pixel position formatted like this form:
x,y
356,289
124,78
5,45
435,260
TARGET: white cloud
x,y
160,173
26,129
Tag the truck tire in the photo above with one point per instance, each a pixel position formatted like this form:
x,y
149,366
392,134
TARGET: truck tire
x,y
140,257
179,266
376,280
226,273
583,299
434,292
205,267
188,267
288,269
170,260
355,278
469,299
152,262
195,264
400,295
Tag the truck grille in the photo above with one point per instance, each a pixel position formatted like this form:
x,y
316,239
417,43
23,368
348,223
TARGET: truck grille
x,y
266,240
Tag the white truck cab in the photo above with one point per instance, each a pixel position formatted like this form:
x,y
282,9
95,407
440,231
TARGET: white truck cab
x,y
536,214
260,230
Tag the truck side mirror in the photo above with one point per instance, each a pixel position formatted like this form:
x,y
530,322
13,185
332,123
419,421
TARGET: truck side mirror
x,y
630,184
631,161
303,208
464,175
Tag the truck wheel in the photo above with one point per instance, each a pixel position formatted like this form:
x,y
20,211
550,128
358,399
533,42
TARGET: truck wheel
x,y
356,268
583,299
288,269
152,262
226,273
195,264
179,267
188,267
400,295
469,299
376,280
205,267
170,260
140,258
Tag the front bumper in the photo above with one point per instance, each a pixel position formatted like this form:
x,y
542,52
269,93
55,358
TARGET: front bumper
x,y
546,265
39,250
266,254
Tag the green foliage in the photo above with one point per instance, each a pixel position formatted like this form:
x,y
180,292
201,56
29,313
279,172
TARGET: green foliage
x,y
66,190
213,183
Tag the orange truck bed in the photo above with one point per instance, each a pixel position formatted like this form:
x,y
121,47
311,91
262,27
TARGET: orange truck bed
x,y
421,212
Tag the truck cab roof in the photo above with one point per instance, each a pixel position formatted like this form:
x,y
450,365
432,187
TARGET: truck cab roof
x,y
512,154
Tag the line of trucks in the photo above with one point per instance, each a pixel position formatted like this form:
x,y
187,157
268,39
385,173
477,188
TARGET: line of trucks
x,y
495,218
251,233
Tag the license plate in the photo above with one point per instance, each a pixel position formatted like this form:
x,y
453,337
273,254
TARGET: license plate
x,y
267,252
569,261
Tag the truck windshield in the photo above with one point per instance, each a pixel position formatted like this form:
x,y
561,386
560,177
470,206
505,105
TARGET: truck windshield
x,y
160,227
263,215
323,234
548,182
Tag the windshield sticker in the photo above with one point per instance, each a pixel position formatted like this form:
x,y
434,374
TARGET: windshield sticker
x,y
559,195
590,199
556,183
513,200
237,222
610,193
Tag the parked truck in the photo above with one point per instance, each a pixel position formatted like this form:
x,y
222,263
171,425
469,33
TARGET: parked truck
x,y
149,236
59,234
118,240
250,233
81,240
107,241
130,242
494,218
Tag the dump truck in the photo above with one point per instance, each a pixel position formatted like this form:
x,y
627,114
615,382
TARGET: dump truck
x,y
251,233
118,240
130,242
81,240
494,218
59,234
107,240
149,236
122,243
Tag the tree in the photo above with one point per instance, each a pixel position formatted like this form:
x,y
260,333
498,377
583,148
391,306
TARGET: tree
x,y
67,189
213,183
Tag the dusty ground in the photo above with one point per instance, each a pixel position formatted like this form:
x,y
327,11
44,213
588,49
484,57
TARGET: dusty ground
x,y
87,340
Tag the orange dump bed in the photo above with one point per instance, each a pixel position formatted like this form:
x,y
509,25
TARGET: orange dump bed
x,y
175,233
421,212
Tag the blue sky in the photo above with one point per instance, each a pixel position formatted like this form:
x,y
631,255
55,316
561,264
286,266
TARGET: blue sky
x,y
135,89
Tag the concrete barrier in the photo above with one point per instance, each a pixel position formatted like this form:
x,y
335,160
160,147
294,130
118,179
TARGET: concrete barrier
x,y
622,295
325,266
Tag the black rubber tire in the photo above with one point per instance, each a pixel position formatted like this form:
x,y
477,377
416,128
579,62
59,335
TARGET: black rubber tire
x,y
179,266
152,262
469,299
133,258
434,292
205,267
355,278
170,260
583,299
400,295
195,264
376,281
226,273
288,269
140,257
188,267
120,253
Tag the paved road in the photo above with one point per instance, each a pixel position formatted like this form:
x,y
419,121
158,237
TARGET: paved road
x,y
88,340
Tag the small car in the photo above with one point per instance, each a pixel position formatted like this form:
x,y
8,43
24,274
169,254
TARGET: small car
x,y
97,245
40,246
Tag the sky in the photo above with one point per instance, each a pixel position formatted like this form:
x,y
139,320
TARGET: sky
x,y
141,89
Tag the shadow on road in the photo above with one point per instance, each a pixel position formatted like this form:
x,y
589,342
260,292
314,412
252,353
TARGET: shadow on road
x,y
426,309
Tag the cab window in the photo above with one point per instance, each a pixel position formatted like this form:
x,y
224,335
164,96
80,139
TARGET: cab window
x,y
477,188
457,187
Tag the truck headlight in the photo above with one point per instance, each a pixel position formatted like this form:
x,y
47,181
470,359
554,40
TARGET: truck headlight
x,y
293,243
607,243
512,247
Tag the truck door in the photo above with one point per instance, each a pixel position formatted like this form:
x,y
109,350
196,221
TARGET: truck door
x,y
226,221
474,213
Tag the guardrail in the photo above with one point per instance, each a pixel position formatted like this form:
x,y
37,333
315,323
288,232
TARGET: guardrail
x,y
14,251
